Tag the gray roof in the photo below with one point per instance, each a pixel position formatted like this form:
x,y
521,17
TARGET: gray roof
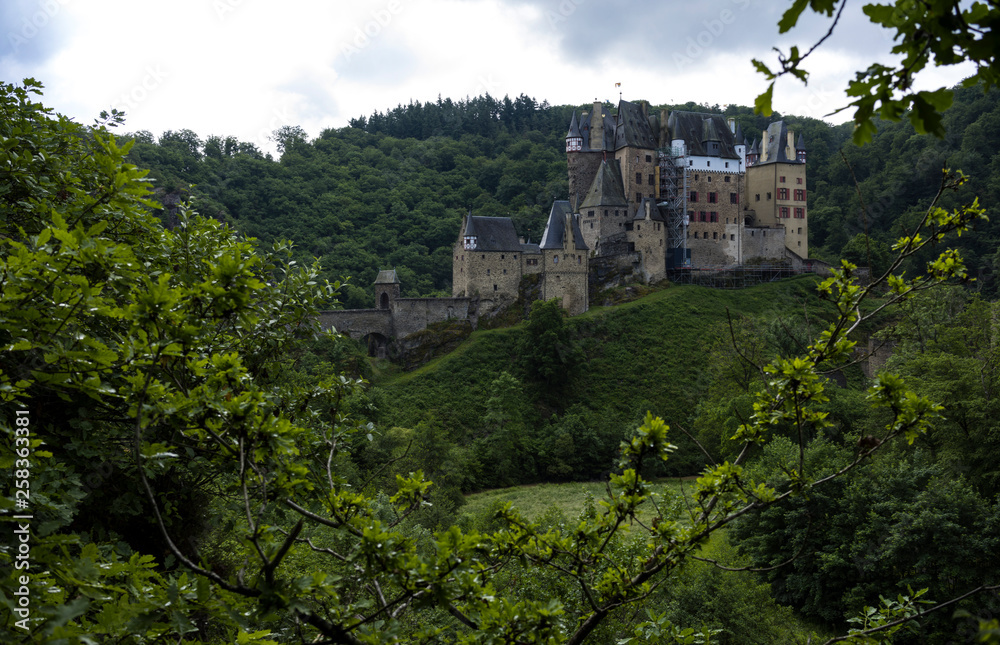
x,y
493,233
738,136
754,149
574,129
654,210
632,127
554,236
697,128
608,142
387,276
774,146
607,189
801,143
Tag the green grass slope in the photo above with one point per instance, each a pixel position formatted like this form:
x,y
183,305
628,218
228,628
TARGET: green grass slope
x,y
649,354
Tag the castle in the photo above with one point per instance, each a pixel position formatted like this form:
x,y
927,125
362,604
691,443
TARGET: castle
x,y
648,193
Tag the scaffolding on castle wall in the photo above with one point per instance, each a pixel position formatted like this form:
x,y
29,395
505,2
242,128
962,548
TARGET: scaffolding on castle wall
x,y
673,196
735,276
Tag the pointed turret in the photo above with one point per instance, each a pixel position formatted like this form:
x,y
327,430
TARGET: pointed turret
x,y
800,149
471,239
574,139
754,155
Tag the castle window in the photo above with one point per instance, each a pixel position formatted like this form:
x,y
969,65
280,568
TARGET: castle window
x,y
637,227
605,212
649,158
784,212
555,259
734,198
501,256
798,180
715,236
727,165
494,287
800,213
709,178
703,216
781,179
713,216
592,226
590,213
484,256
800,242
638,178
726,179
694,196
515,256
691,163
800,195
732,237
708,163
696,176
579,259
713,198
651,181
800,230
782,193
758,197
616,212
638,197
487,271
696,235
505,271
769,197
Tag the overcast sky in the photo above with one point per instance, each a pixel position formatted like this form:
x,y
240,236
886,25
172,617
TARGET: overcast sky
x,y
247,67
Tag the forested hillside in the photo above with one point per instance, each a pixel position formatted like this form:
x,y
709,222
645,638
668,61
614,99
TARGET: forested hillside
x,y
390,190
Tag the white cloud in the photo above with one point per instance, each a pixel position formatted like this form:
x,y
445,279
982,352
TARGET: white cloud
x,y
246,67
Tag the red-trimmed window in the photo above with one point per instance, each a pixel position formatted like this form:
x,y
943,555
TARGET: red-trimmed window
x,y
703,216
782,193
800,213
784,211
800,195
713,198
694,196
713,216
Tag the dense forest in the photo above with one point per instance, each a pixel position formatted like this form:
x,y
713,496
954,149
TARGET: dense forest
x,y
204,466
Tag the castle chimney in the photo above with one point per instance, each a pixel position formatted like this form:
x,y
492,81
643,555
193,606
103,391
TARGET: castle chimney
x,y
597,127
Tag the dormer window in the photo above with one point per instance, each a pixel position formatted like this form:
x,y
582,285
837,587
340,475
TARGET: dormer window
x,y
574,144
470,242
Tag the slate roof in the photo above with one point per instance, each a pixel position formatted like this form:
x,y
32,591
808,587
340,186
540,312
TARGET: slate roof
x,y
608,142
775,148
801,143
555,229
607,189
574,129
493,233
387,276
698,128
632,127
654,210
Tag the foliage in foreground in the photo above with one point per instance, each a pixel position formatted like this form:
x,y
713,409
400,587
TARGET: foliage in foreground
x,y
156,358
